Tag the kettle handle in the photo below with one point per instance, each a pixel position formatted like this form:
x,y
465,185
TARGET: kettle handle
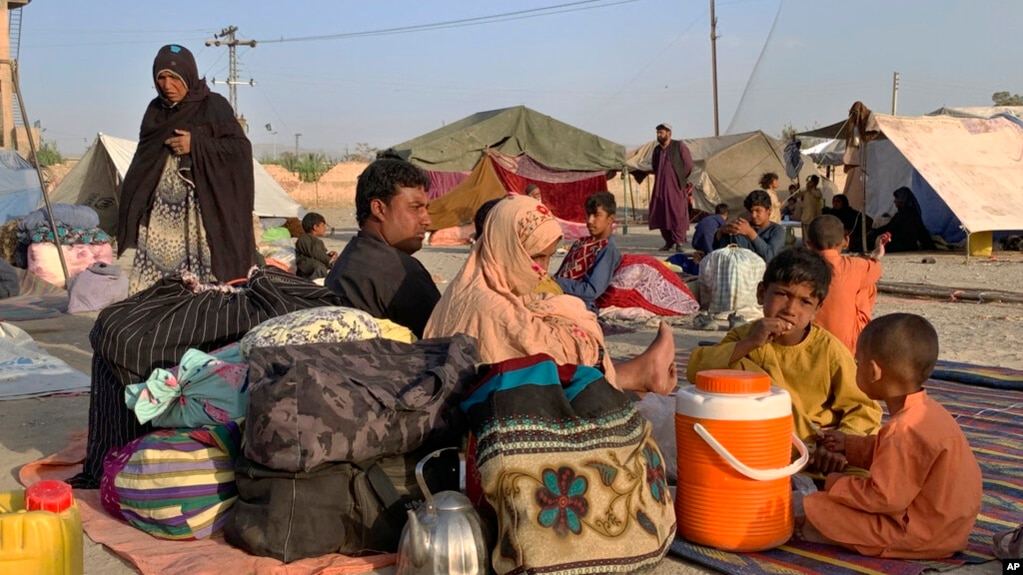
x,y
422,480
752,473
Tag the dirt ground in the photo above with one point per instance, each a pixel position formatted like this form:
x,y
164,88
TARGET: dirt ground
x,y
972,332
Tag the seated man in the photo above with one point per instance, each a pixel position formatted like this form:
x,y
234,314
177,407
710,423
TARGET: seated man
x,y
587,269
759,233
707,228
376,271
312,260
804,359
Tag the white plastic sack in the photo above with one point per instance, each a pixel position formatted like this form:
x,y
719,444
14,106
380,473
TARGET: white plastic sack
x,y
659,410
728,279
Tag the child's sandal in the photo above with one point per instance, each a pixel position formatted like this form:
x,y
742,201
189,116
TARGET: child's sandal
x,y
1009,544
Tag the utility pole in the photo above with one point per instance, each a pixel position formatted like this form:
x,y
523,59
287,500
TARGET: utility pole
x,y
714,62
226,38
895,92
297,136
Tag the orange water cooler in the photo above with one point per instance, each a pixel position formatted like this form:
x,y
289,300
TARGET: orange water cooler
x,y
735,436
40,531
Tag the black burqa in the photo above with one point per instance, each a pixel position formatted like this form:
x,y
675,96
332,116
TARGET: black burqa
x,y
220,165
909,234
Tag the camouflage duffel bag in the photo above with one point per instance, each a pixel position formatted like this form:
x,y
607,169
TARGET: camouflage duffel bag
x,y
348,508
355,401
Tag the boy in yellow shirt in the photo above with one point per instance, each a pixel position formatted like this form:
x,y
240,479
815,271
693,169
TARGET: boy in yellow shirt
x,y
804,359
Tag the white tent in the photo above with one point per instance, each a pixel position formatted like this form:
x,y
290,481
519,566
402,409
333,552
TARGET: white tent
x,y
961,163
96,181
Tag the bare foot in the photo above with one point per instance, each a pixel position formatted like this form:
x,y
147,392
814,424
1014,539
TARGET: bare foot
x,y
661,373
654,369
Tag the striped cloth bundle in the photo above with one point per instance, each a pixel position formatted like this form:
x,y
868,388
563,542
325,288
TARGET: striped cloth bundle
x,y
174,483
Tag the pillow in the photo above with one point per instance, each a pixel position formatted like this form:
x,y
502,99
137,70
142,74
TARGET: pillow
x,y
397,332
314,325
174,483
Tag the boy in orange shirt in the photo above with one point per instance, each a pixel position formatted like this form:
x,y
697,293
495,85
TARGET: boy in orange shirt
x,y
850,301
923,494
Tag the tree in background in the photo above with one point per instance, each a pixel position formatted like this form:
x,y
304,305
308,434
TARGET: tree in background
x,y
363,153
49,155
308,167
1007,99
789,132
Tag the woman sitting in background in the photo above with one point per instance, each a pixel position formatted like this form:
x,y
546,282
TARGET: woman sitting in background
x,y
909,233
494,299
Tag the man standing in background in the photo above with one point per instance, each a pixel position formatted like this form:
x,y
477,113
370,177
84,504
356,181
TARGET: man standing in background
x,y
669,205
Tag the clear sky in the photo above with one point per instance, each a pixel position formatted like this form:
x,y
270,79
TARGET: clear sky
x,y
613,67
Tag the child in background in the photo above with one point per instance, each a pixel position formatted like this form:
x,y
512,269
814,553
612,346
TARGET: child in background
x,y
312,260
793,208
587,269
924,489
533,191
769,184
480,218
706,228
812,204
802,358
853,280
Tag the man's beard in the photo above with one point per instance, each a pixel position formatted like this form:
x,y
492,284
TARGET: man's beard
x,y
661,140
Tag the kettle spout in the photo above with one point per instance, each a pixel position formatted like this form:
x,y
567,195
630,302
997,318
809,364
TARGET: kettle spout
x,y
418,541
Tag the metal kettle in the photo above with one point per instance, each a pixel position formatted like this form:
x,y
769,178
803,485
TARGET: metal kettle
x,y
444,536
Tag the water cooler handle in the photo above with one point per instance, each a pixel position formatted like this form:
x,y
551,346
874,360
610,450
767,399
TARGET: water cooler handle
x,y
757,474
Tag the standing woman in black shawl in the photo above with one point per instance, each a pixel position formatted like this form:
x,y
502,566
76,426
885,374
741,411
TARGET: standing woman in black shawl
x,y
186,202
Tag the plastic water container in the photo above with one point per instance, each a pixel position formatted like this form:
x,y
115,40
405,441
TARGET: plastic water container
x,y
980,243
734,436
40,531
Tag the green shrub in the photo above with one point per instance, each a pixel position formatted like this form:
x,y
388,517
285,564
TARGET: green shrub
x,y
49,155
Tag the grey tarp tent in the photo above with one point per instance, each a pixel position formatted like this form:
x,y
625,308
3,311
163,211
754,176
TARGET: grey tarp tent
x,y
96,181
19,186
726,168
512,131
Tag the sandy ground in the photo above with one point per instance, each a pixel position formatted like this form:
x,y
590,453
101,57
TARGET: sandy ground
x,y
972,332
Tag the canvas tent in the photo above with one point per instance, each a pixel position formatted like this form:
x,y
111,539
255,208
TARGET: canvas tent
x,y
520,146
96,180
19,186
514,132
962,165
725,168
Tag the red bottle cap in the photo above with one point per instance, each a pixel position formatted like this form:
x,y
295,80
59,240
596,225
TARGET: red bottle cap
x,y
49,495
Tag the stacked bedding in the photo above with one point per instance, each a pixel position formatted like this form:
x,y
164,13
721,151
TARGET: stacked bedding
x,y
78,234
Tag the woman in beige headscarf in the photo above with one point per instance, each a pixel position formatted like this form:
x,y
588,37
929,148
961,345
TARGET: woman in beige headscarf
x,y
494,299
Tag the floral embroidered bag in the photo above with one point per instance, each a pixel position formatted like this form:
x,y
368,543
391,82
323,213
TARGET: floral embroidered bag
x,y
571,469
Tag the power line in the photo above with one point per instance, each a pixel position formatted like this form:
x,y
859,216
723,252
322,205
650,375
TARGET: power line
x,y
476,21
624,86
